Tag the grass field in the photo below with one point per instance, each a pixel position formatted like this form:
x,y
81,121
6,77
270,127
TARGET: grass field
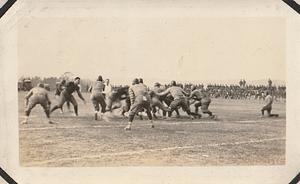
x,y
239,137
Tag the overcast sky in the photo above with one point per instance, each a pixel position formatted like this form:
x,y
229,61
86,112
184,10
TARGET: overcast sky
x,y
199,49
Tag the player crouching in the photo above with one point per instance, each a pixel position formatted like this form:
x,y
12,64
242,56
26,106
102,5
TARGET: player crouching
x,y
37,95
66,95
180,99
139,99
268,106
202,100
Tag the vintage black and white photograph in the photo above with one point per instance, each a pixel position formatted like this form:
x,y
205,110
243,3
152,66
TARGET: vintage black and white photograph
x,y
104,92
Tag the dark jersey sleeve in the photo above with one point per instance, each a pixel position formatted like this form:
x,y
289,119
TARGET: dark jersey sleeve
x,y
69,84
57,92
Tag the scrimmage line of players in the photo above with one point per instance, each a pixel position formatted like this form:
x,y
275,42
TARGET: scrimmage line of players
x,y
137,99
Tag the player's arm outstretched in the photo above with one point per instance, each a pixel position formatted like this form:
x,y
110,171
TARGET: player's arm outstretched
x,y
29,94
185,93
80,96
167,91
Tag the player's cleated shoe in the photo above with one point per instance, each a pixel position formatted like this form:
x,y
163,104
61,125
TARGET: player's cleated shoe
x,y
191,117
127,128
24,122
212,117
125,114
52,122
152,125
